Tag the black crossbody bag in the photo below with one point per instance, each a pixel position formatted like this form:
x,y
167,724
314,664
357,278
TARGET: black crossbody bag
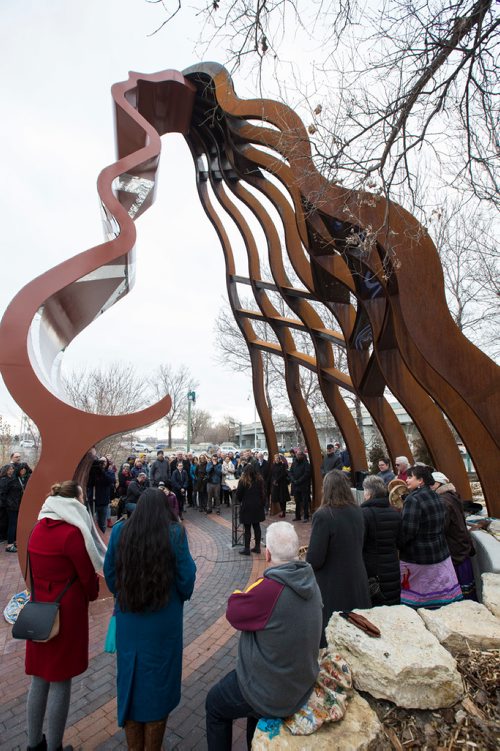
x,y
39,621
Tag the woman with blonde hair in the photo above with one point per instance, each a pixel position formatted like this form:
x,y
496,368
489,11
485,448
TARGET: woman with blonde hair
x,y
336,549
64,556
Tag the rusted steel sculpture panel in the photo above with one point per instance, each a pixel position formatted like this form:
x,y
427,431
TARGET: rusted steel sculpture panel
x,y
354,255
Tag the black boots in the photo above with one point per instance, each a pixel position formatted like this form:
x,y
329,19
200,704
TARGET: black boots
x,y
42,746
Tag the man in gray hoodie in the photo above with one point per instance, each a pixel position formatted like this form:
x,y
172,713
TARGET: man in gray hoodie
x,y
280,619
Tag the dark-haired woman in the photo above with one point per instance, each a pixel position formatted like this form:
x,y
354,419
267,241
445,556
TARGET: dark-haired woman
x,y
280,495
428,578
251,496
150,570
62,551
336,549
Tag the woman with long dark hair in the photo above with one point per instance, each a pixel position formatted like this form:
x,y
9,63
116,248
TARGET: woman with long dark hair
x,y
336,549
251,496
149,568
428,579
62,553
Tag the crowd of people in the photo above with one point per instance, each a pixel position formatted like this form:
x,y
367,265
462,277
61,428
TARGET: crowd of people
x,y
14,477
359,556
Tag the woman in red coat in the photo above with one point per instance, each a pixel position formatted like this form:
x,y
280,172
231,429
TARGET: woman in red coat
x,y
62,551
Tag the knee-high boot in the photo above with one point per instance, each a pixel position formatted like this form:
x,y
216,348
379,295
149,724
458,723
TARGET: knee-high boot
x,y
134,733
153,735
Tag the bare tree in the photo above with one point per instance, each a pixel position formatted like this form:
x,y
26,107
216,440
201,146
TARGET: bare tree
x,y
200,422
107,390
177,383
5,441
465,238
387,83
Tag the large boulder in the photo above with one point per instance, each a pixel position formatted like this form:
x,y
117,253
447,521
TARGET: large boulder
x,y
359,730
462,625
406,665
491,592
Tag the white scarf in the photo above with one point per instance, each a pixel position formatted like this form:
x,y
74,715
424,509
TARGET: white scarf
x,y
73,512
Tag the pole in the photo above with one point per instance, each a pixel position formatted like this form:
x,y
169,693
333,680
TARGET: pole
x,y
188,443
255,425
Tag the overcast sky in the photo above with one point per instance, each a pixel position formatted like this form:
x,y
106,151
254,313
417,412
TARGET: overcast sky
x,y
59,61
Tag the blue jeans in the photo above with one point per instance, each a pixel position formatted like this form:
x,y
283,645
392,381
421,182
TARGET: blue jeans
x,y
224,704
101,513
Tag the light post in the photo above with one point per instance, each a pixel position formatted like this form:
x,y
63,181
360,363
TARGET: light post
x,y
254,425
191,400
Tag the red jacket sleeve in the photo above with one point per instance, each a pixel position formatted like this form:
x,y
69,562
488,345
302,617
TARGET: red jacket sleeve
x,y
76,551
250,610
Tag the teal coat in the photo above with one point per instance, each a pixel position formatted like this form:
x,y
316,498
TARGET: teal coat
x,y
149,644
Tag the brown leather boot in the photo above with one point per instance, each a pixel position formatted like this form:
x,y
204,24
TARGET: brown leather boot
x,y
134,733
153,735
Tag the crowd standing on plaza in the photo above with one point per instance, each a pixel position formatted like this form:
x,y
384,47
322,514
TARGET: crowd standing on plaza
x,y
416,552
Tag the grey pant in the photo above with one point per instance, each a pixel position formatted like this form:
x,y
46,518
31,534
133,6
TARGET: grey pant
x,y
213,492
52,698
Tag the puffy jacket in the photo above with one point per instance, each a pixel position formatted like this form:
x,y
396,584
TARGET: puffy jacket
x,y
380,550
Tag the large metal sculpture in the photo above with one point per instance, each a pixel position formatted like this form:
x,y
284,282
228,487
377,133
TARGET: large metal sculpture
x,y
367,261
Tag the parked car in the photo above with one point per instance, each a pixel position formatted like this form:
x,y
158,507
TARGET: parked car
x,y
161,446
142,447
27,444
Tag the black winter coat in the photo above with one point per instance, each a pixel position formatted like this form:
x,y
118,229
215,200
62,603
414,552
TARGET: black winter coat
x,y
135,490
336,555
179,480
100,485
159,472
300,474
380,550
12,493
201,477
457,534
279,484
252,500
264,470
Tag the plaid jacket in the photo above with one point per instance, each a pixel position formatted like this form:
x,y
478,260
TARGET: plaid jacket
x,y
422,534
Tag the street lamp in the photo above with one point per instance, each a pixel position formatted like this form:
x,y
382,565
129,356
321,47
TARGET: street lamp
x,y
191,396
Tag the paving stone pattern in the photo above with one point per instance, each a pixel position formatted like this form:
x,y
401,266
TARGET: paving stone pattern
x,y
210,646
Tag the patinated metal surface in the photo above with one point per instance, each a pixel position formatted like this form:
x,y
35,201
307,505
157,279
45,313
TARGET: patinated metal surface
x,y
367,262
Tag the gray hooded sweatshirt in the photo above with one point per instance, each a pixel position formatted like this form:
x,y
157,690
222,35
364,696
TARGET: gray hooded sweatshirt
x,y
280,617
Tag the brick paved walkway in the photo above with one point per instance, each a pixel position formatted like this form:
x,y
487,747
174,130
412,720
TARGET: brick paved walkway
x,y
210,645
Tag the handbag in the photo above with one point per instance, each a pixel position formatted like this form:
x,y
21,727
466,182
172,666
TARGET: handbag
x,y
39,621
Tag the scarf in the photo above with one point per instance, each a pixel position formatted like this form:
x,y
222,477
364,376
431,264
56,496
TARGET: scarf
x,y
71,511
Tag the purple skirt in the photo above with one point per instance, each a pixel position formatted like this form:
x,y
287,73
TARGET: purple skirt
x,y
429,585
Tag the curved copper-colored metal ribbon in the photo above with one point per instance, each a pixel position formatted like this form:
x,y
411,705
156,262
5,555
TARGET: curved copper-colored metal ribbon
x,y
65,299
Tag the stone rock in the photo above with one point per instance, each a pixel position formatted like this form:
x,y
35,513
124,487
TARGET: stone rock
x,y
463,624
359,730
406,665
491,592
